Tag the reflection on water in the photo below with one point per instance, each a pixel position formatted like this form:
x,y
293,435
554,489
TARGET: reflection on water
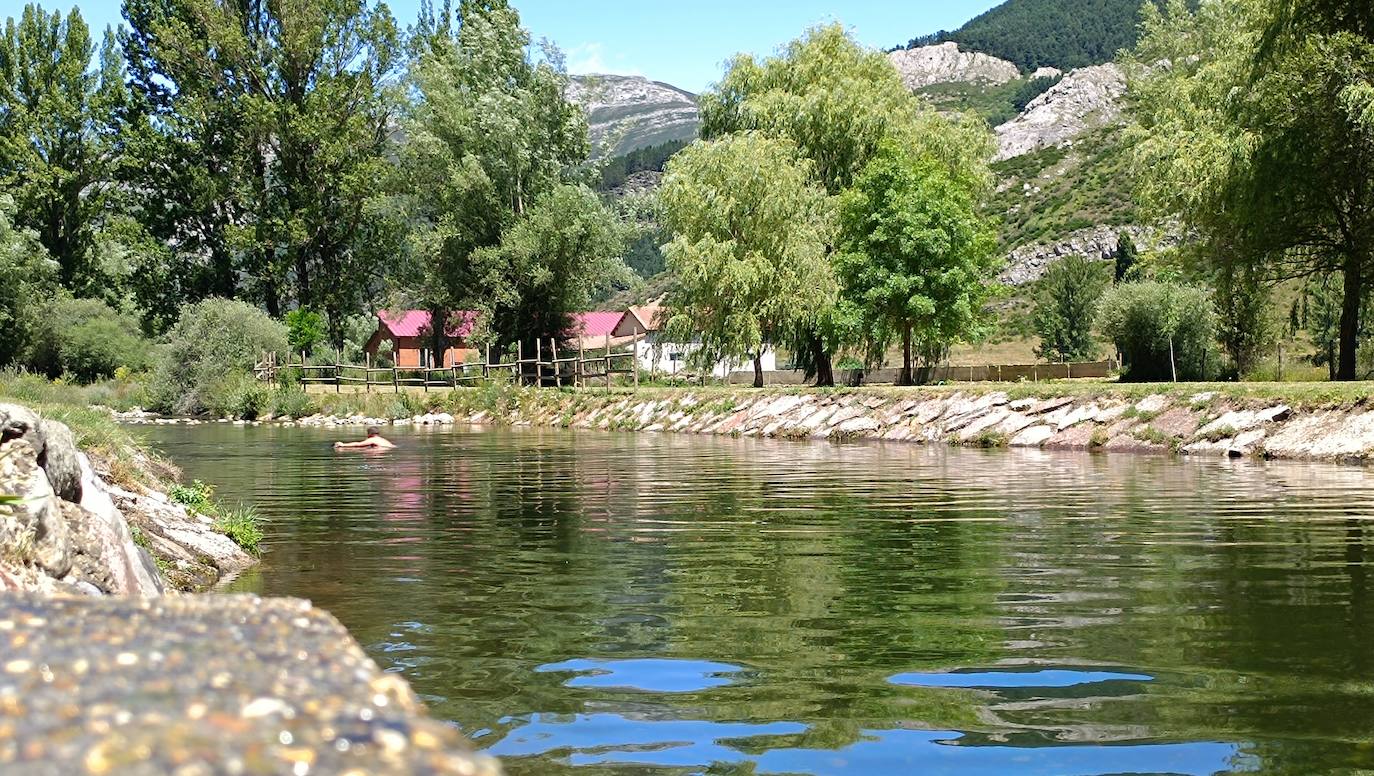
x,y
605,603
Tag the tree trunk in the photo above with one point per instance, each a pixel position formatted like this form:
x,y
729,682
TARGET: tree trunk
x,y
437,320
1353,282
906,377
758,369
825,370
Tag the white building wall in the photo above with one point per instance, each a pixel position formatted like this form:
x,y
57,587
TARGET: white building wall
x,y
670,358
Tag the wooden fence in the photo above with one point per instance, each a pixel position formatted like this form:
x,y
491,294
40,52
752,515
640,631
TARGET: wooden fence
x,y
544,367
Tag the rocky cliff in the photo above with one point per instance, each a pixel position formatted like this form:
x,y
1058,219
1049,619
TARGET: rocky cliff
x,y
65,529
945,63
629,112
1086,98
1029,262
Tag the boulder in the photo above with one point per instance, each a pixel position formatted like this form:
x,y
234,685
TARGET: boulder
x,y
53,444
32,529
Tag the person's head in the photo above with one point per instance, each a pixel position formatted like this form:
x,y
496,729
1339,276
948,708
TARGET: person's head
x,y
373,431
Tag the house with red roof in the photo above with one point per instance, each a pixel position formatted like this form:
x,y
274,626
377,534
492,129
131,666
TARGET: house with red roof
x,y
411,338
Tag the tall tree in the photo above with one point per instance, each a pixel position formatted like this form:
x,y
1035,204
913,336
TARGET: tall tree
x,y
1066,308
489,134
1255,129
837,102
748,253
262,129
917,259
58,136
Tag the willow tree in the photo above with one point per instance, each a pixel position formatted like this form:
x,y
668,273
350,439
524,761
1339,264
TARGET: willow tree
x,y
837,102
748,251
59,136
1256,130
917,259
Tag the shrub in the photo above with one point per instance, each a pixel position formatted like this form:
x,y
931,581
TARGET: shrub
x,y
243,526
213,340
85,339
238,395
199,496
289,402
1145,319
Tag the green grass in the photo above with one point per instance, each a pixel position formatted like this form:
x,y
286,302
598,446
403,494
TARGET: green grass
x,y
243,525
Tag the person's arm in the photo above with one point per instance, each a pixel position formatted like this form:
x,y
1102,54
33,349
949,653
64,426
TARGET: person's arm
x,y
354,445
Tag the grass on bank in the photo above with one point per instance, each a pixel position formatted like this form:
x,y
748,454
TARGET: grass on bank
x,y
242,524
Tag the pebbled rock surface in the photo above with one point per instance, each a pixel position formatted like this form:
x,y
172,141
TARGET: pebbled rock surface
x,y
205,685
945,63
1086,98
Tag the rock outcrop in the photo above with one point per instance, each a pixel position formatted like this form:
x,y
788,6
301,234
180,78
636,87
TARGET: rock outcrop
x,y
945,63
1087,98
629,112
64,530
1028,263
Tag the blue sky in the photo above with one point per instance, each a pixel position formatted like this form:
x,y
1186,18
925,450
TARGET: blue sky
x,y
684,43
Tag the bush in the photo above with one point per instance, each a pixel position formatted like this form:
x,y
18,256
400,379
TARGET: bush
x,y
85,339
213,341
238,395
288,402
1143,319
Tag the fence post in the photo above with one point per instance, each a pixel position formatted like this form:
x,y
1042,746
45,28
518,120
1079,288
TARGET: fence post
x,y
581,367
636,358
519,362
608,362
557,369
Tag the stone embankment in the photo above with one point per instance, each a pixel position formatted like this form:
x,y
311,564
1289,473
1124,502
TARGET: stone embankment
x,y
1207,423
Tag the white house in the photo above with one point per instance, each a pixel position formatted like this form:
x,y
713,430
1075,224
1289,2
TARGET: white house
x,y
659,355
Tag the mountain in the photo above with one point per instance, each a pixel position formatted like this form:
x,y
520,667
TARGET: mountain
x,y
1063,34
945,63
631,112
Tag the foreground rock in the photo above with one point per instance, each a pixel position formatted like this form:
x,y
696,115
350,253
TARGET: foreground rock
x,y
945,63
72,532
1206,424
202,685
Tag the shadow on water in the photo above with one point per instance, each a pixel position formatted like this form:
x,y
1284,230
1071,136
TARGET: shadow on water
x,y
608,603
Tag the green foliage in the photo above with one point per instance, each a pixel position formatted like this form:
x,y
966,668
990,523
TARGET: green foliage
x,y
1125,257
237,395
1245,322
256,140
916,259
489,136
649,159
550,264
304,330
994,103
85,339
748,250
1066,309
243,525
27,276
59,138
1254,138
1048,33
1149,321
213,341
291,402
199,496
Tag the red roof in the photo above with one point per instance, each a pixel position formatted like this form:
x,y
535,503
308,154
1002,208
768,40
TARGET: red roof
x,y
415,323
595,324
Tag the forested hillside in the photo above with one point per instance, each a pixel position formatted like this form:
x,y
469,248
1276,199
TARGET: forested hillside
x,y
1048,33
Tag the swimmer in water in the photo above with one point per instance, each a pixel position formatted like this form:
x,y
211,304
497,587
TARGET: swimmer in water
x,y
374,441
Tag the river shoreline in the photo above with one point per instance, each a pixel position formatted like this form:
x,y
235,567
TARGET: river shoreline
x,y
1261,421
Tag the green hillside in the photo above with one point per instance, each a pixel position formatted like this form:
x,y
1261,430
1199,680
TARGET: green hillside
x,y
1048,33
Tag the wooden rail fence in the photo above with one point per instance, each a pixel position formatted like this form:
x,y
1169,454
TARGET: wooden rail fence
x,y
543,367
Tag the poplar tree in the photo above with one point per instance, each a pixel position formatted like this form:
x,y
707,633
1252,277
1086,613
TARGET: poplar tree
x,y
59,140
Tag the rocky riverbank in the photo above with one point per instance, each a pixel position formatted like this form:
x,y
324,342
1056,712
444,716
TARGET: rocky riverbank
x,y
1102,417
68,529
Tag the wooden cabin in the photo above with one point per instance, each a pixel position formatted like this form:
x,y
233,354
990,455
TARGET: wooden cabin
x,y
410,335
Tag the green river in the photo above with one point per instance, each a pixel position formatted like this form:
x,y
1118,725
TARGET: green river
x,y
592,602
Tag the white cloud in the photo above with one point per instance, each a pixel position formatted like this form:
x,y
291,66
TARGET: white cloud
x,y
590,58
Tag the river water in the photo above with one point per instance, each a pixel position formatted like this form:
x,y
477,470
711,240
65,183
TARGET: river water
x,y
592,602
